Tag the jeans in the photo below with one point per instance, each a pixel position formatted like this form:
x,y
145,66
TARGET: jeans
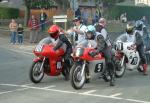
x,y
13,37
33,36
42,23
20,38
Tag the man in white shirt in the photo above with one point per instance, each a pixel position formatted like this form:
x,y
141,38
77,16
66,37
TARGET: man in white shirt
x,y
79,30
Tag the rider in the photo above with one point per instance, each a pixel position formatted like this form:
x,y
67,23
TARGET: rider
x,y
132,35
90,37
55,33
104,46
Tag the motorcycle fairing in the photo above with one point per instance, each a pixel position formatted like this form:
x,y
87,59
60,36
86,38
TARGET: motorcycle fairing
x,y
96,67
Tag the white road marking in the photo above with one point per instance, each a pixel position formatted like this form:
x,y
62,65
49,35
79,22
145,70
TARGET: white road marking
x,y
115,95
51,86
102,96
13,91
28,84
89,92
71,92
138,101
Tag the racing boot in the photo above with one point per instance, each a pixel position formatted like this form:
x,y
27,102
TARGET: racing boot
x,y
145,69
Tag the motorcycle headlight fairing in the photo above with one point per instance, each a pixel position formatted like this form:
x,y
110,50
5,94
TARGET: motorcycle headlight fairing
x,y
79,52
39,48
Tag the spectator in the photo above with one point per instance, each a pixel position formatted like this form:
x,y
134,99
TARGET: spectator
x,y
79,29
20,34
33,25
85,16
78,12
94,17
144,20
43,18
13,28
123,18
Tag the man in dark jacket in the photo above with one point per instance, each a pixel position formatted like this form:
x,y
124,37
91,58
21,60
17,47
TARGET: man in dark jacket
x,y
43,18
61,40
104,46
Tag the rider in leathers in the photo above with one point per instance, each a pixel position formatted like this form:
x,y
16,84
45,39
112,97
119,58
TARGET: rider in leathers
x,y
104,46
55,33
134,36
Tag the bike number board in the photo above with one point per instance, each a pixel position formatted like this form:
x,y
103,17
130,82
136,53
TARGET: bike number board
x,y
98,67
59,65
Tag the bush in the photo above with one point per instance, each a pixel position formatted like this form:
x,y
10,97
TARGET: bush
x,y
8,13
133,12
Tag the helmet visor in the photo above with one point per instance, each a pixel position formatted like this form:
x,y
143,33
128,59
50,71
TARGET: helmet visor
x,y
53,35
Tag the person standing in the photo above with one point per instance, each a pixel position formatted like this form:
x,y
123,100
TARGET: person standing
x,y
79,29
85,16
13,28
20,34
78,12
33,25
43,18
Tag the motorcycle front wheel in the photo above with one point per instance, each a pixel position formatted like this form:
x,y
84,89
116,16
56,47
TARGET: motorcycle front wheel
x,y
35,74
119,72
77,81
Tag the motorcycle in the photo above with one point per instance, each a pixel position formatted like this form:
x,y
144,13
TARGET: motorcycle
x,y
126,57
87,66
48,62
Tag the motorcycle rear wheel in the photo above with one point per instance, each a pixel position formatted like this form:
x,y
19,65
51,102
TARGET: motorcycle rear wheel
x,y
77,81
35,74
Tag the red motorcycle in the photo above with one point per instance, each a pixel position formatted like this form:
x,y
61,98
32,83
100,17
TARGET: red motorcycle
x,y
48,62
87,66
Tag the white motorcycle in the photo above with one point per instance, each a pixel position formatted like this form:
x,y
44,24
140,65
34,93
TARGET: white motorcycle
x,y
126,57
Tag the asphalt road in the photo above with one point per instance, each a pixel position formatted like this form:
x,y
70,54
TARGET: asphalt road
x,y
15,86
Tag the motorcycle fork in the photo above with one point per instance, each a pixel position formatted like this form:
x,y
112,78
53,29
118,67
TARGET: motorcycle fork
x,y
42,64
122,61
83,68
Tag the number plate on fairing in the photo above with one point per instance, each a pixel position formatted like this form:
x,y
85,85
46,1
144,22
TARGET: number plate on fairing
x,y
59,65
98,67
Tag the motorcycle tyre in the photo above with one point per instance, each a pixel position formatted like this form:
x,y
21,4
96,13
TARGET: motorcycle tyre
x,y
72,73
31,73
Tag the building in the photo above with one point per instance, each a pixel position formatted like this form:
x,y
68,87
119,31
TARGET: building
x,y
142,2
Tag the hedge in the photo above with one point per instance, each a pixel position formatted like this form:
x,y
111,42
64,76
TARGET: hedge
x,y
133,12
8,13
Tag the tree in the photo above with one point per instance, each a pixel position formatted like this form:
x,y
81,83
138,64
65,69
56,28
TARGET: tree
x,y
101,4
27,11
63,4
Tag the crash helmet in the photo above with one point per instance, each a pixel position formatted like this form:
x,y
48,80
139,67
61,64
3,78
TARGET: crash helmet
x,y
90,33
138,25
54,31
130,28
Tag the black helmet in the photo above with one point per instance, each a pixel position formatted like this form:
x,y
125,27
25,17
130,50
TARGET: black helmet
x,y
139,25
130,28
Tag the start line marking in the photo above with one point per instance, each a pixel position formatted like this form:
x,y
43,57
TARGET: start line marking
x,y
71,92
